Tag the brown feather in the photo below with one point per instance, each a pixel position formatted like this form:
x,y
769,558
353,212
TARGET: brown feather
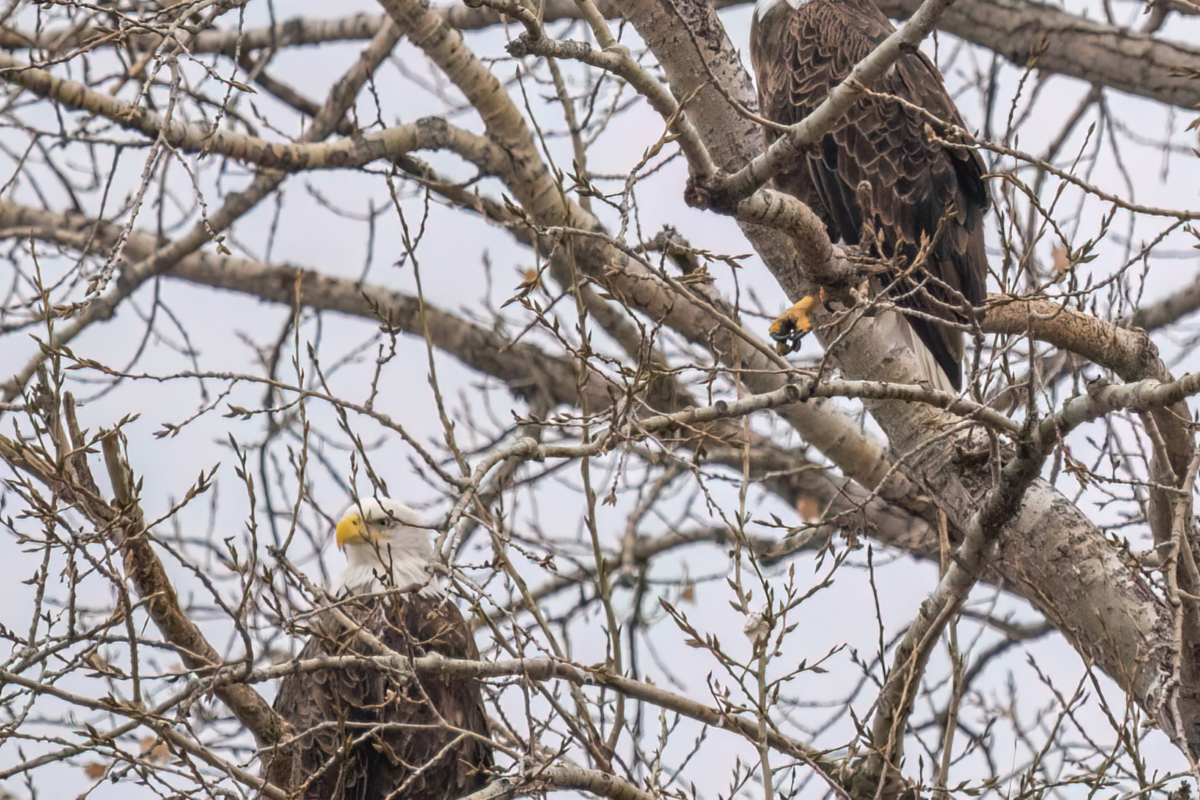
x,y
329,708
919,190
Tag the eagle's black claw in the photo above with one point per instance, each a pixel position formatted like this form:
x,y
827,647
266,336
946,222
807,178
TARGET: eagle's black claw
x,y
789,328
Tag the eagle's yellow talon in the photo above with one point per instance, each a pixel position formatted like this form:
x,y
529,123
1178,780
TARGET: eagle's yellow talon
x,y
789,328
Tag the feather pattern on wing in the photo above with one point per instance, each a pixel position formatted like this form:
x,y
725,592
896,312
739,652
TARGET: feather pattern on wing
x,y
918,190
421,721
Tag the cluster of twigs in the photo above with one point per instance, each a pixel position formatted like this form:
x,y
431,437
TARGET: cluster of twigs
x,y
669,538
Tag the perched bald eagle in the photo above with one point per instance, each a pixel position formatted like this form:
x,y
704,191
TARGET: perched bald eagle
x,y
365,733
878,153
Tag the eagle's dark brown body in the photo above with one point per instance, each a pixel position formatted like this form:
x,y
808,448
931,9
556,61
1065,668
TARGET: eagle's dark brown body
x,y
329,708
919,190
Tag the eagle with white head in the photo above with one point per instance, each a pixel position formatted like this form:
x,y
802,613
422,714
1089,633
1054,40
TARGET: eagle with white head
x,y
364,732
386,546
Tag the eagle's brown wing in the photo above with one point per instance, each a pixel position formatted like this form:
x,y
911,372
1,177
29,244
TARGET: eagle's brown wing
x,y
407,726
451,707
919,190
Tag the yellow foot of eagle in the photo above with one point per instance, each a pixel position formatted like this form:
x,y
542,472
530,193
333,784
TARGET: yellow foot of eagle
x,y
789,328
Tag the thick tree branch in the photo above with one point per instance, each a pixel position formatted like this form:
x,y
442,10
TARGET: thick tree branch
x,y
635,285
1048,525
1130,354
122,523
543,379
1052,40
431,133
1180,303
1056,41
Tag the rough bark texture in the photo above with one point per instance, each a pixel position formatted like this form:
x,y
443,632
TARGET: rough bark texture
x,y
1049,529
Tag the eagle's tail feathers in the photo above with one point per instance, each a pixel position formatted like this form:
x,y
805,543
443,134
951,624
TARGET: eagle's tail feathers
x,y
939,366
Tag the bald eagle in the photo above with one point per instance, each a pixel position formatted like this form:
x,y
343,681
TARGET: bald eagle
x,y
879,154
366,733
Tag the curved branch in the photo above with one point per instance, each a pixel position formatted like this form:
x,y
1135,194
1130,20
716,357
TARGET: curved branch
x,y
1052,40
531,372
123,524
550,669
431,133
524,368
1106,610
1181,302
1137,63
619,62
290,33
211,226
1128,352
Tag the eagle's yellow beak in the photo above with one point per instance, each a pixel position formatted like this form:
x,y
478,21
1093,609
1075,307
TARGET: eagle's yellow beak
x,y
351,530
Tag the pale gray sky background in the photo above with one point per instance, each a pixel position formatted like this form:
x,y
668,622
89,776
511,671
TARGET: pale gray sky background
x,y
225,328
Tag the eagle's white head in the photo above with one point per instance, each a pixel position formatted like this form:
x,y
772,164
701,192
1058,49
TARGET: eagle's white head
x,y
387,546
761,7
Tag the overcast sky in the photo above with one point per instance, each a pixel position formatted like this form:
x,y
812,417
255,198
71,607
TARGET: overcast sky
x,y
314,228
